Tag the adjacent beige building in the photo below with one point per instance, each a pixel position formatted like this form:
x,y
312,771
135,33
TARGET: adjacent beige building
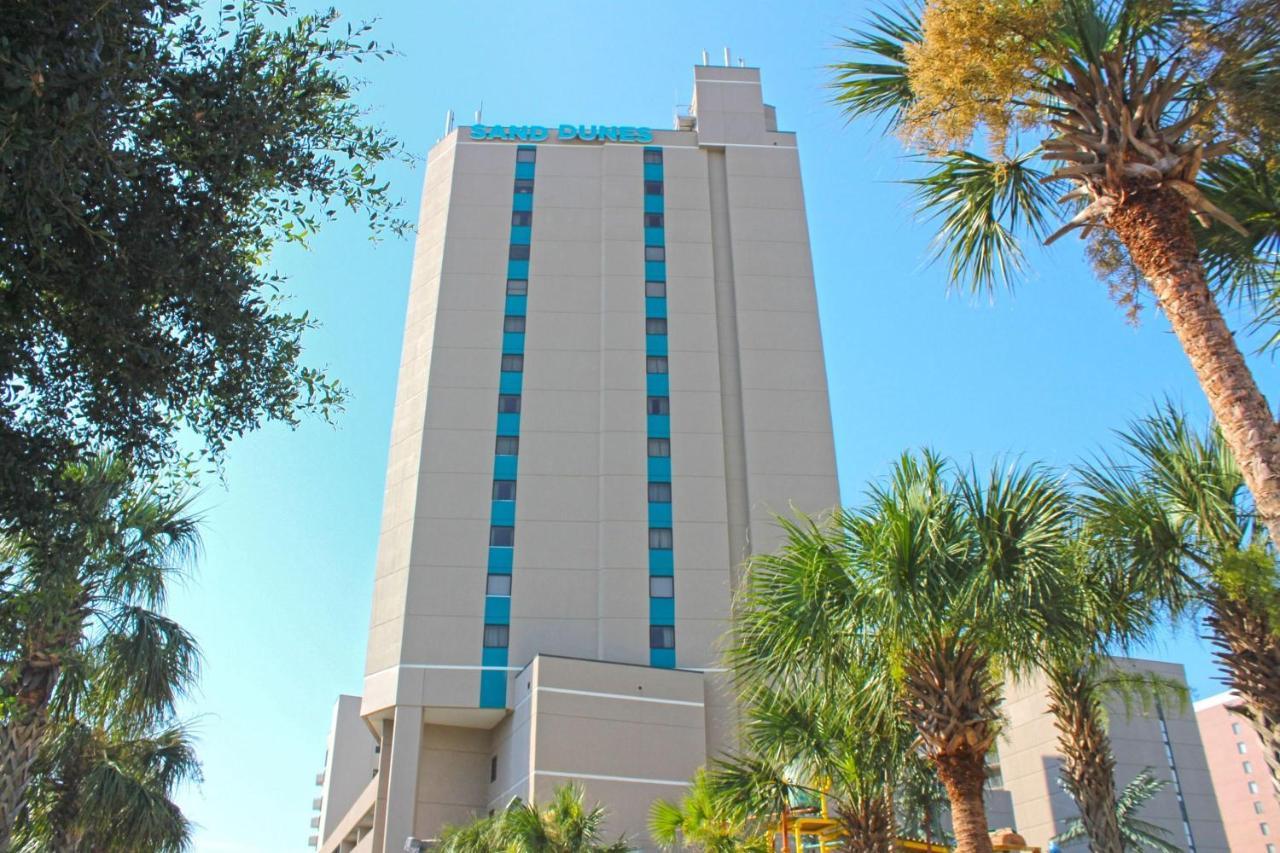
x,y
1247,795
612,379
1163,737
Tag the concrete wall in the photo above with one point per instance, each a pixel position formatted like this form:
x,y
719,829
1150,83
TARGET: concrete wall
x,y
350,763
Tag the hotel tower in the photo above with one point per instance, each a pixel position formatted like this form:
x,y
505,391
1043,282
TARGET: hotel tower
x,y
612,381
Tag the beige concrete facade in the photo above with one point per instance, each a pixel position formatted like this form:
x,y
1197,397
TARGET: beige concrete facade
x,y
749,436
1245,791
1163,737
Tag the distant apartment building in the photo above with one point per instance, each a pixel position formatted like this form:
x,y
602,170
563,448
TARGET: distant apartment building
x,y
1242,780
612,379
1163,737
350,761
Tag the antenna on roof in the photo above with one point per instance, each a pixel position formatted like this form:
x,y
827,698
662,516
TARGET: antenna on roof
x,y
705,59
480,112
448,123
742,63
726,57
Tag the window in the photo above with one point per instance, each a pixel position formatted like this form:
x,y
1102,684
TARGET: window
x,y
660,493
507,445
493,772
653,220
659,405
504,490
1257,807
512,363
1271,848
513,323
517,286
509,404
653,155
526,155
659,538
664,637
1253,787
655,253
519,252
660,447
496,636
497,585
1264,829
502,536
1235,728
1248,768
650,187
655,289
662,587
656,364
1241,748
655,325
522,217
524,186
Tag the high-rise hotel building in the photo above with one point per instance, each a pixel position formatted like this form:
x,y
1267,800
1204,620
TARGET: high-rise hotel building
x,y
612,380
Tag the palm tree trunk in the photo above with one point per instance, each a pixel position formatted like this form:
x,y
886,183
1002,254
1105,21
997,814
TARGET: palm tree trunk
x,y
21,735
1154,224
1249,648
964,774
868,825
1088,765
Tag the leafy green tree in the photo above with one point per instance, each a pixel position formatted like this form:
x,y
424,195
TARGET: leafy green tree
x,y
1175,501
564,825
153,153
81,625
1137,833
926,598
1142,106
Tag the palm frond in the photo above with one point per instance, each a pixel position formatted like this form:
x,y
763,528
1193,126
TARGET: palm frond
x,y
985,207
875,82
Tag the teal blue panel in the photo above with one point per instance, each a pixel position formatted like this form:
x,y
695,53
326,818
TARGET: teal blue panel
x,y
659,426
653,171
493,688
653,237
660,658
509,424
659,515
505,467
524,201
655,344
517,305
662,611
512,343
656,383
493,657
662,563
655,306
525,170
500,560
510,383
653,270
517,269
502,513
521,234
659,468
497,610
652,204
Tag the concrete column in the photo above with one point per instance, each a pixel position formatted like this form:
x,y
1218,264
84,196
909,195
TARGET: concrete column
x,y
402,777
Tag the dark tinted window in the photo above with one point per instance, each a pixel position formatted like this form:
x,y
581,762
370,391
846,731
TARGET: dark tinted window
x,y
655,253
660,447
652,155
656,364
507,445
497,636
509,404
526,155
522,217
519,252
650,187
524,186
660,587
499,585
659,493
512,363
517,286
659,538
502,537
513,323
504,490
655,288
653,220
655,325
662,637
657,405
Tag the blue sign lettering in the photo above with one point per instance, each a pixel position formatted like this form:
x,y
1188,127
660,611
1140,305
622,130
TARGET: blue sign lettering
x,y
584,132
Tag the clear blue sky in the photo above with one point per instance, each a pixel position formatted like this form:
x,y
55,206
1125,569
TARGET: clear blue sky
x,y
281,598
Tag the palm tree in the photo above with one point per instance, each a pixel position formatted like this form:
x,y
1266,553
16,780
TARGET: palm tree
x,y
563,825
1176,502
1137,833
920,805
1135,100
79,619
705,819
923,600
